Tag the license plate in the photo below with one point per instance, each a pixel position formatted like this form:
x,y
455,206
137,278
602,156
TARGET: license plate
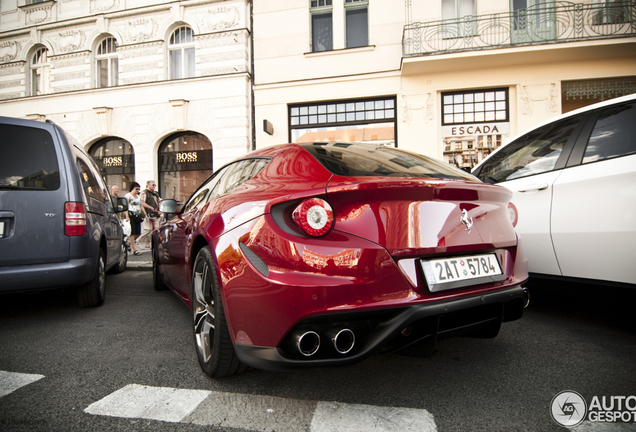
x,y
1,229
448,273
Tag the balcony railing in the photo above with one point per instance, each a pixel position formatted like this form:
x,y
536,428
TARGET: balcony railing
x,y
541,24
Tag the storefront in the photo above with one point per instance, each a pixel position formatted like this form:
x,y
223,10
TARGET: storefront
x,y
360,120
115,158
185,162
473,122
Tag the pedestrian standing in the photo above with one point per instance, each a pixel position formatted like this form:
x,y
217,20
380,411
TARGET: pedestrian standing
x,y
136,213
150,203
114,191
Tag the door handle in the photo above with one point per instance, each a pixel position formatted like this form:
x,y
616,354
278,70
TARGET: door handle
x,y
534,187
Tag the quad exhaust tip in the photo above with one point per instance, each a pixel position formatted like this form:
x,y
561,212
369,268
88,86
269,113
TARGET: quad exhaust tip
x,y
526,297
343,340
307,343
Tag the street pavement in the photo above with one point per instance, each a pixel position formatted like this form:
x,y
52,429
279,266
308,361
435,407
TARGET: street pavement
x,y
143,261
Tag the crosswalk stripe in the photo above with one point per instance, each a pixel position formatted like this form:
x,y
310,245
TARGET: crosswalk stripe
x,y
367,418
257,413
11,381
152,403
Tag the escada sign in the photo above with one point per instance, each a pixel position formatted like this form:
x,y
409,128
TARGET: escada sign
x,y
476,129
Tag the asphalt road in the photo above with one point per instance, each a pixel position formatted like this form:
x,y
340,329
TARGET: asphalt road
x,y
86,368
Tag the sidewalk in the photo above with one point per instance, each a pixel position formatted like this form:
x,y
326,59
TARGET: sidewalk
x,y
140,262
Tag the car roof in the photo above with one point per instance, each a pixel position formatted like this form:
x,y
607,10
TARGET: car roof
x,y
585,109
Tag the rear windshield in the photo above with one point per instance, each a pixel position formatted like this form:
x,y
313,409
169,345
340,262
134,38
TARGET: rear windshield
x,y
366,160
28,159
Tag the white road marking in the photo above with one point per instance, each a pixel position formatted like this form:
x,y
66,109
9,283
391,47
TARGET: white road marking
x,y
152,403
588,426
258,413
11,381
254,412
333,416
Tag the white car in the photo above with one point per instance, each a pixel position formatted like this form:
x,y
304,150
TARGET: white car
x,y
574,186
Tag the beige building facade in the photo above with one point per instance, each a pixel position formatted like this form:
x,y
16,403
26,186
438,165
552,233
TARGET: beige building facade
x,y
151,89
172,90
461,76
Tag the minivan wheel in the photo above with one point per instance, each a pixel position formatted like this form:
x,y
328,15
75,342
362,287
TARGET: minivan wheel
x,y
93,293
123,260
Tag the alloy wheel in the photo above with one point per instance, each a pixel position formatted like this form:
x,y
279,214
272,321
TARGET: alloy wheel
x,y
203,309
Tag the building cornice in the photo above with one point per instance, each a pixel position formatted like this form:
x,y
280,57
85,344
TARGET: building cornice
x,y
125,87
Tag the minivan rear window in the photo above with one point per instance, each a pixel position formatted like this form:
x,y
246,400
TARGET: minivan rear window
x,y
27,159
365,160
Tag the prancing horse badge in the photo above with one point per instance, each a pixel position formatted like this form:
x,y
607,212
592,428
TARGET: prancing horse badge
x,y
466,220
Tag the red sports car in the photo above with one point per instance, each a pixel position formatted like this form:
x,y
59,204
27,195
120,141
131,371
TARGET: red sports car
x,y
319,254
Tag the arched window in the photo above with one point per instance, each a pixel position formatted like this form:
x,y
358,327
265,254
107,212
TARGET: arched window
x,y
115,158
106,63
181,52
39,72
185,162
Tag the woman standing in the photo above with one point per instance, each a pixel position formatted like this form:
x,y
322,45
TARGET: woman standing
x,y
136,214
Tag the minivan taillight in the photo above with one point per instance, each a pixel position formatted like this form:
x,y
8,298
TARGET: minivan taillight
x,y
75,219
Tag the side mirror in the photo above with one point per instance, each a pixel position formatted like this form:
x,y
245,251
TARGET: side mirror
x,y
168,206
122,205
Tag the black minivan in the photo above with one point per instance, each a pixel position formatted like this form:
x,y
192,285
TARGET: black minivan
x,y
59,227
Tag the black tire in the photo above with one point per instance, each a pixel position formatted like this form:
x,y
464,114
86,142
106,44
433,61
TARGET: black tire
x,y
123,260
93,293
157,282
211,336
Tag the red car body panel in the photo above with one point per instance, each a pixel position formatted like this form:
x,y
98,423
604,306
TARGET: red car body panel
x,y
367,262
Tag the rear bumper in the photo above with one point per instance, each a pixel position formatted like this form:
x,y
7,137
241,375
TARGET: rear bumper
x,y
46,276
385,329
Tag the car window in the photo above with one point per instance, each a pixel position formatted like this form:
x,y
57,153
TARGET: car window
x,y
258,166
198,198
240,172
28,159
200,195
363,160
236,176
90,184
613,134
534,153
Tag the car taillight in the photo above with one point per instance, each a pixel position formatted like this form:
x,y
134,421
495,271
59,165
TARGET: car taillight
x,y
513,214
74,219
314,216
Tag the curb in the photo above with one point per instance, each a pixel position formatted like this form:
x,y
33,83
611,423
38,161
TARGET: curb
x,y
139,265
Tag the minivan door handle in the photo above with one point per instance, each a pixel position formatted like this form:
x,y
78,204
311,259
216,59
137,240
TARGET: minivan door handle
x,y
534,187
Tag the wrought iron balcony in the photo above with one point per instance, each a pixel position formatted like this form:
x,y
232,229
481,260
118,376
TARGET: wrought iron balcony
x,y
541,24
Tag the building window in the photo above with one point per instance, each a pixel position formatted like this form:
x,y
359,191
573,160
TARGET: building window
x,y
611,12
577,94
456,12
321,25
107,64
476,117
478,106
185,162
39,72
181,52
115,158
368,120
357,22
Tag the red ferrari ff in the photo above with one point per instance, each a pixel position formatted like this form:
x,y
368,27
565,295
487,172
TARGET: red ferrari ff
x,y
319,254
